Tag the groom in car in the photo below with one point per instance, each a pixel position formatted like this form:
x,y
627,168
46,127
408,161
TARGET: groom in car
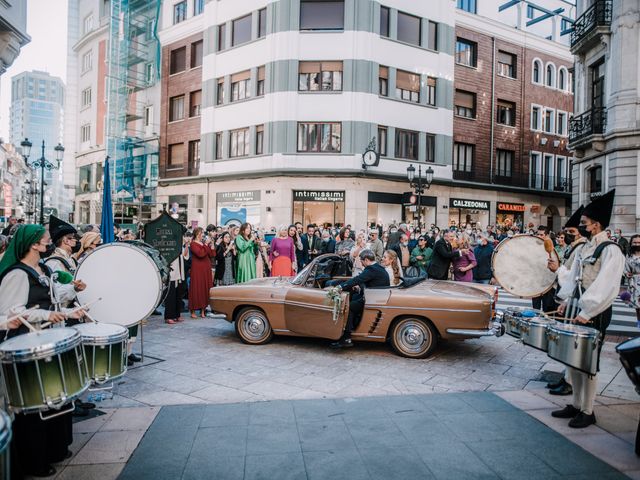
x,y
373,275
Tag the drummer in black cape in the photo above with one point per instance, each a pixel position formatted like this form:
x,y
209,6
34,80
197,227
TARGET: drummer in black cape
x,y
588,292
574,240
25,283
65,239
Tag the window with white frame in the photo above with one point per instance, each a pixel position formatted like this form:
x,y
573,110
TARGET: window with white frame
x,y
180,12
241,85
86,98
561,125
547,171
408,86
85,133
535,169
319,137
548,123
320,76
561,173
88,24
87,61
536,76
239,145
218,154
148,73
431,91
562,78
536,117
198,7
259,139
176,108
550,75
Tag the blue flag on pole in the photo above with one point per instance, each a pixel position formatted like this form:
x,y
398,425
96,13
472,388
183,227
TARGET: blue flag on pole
x,y
106,221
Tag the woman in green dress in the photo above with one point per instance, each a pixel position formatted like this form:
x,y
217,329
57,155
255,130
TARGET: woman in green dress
x,y
246,257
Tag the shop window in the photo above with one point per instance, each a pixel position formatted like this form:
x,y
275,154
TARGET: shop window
x,y
178,61
176,108
408,86
239,143
506,64
431,148
180,12
382,141
506,113
504,163
241,30
465,104
320,76
431,91
432,42
195,100
407,144
384,21
409,28
176,156
259,139
196,54
241,86
383,81
262,23
319,137
261,72
220,91
463,157
321,15
218,154
466,52
222,37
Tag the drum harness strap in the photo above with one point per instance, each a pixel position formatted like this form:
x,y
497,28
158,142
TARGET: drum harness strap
x,y
70,269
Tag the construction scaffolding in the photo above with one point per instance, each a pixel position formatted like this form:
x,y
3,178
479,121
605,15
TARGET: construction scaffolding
x,y
133,74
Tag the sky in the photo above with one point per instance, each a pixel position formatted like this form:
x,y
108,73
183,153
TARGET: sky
x,y
47,51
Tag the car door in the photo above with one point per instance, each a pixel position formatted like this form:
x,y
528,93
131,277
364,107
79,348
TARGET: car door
x,y
309,312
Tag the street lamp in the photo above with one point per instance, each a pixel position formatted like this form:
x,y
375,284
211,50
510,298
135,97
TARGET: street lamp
x,y
43,164
419,185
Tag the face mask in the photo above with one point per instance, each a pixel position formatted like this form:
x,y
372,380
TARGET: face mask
x,y
569,239
635,248
76,247
584,232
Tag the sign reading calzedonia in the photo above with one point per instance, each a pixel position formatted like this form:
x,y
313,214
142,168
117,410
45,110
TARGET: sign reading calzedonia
x,y
165,235
469,204
318,196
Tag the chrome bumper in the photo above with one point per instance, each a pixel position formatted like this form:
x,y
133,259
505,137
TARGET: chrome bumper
x,y
496,330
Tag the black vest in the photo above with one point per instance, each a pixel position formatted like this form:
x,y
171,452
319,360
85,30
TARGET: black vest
x,y
38,293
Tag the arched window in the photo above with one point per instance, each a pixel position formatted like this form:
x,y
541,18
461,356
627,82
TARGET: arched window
x,y
536,71
550,75
562,79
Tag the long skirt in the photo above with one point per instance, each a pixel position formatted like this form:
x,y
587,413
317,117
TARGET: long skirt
x,y
281,267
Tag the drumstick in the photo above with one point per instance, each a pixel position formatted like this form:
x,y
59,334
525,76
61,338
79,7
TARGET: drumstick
x,y
20,316
79,307
87,315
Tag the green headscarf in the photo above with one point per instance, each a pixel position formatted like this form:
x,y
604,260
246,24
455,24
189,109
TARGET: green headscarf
x,y
20,244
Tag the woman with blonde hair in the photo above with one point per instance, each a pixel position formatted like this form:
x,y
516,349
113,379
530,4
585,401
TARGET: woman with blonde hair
x,y
283,253
361,244
391,263
465,263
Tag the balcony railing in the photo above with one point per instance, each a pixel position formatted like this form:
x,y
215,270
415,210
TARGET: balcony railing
x,y
547,183
597,15
591,122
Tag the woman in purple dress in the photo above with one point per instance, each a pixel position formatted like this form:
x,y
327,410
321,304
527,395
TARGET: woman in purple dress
x,y
463,266
283,254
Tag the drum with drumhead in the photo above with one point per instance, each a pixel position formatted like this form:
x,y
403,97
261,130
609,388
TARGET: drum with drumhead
x,y
629,352
519,265
105,350
131,278
574,345
43,370
534,331
5,440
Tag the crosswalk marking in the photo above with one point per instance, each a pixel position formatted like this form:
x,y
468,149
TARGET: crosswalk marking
x,y
623,321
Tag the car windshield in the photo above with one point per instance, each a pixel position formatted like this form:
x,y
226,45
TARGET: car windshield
x,y
297,280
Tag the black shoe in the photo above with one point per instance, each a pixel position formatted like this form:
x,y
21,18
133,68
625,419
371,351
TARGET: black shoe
x,y
582,420
552,386
47,471
342,343
567,412
129,363
86,405
78,411
564,389
134,358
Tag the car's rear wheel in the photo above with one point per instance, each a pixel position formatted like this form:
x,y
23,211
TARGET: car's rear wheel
x,y
253,327
413,337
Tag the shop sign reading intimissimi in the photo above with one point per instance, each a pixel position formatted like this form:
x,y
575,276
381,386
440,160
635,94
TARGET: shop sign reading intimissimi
x,y
317,196
469,204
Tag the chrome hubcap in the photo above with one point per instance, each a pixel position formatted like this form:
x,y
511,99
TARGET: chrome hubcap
x,y
412,337
255,326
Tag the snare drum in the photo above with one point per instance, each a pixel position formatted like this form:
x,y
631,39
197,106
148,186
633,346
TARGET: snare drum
x,y
43,370
534,331
575,346
105,350
512,316
5,440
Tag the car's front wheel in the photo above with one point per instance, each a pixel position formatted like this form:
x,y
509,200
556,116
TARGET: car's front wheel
x,y
253,327
413,338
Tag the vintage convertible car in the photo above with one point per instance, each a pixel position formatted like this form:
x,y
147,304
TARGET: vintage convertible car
x,y
413,316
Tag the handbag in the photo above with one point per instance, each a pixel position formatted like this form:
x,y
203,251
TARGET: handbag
x,y
412,271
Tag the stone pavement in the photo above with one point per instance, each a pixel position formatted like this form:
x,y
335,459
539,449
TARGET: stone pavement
x,y
203,362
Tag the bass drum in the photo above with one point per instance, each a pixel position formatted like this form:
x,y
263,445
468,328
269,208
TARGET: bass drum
x,y
520,266
131,278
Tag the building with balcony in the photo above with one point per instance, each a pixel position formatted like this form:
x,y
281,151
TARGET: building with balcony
x,y
512,104
13,32
604,131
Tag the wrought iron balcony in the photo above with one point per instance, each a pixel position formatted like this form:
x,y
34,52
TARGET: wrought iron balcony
x,y
596,18
583,126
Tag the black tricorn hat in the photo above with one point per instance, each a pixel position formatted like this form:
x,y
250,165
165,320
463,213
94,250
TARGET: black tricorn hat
x,y
600,209
59,228
574,220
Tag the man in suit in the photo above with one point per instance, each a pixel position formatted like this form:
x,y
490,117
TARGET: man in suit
x,y
373,275
328,243
443,254
314,243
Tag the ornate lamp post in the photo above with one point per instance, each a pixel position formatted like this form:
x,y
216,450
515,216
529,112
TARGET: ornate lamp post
x,y
41,163
419,185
